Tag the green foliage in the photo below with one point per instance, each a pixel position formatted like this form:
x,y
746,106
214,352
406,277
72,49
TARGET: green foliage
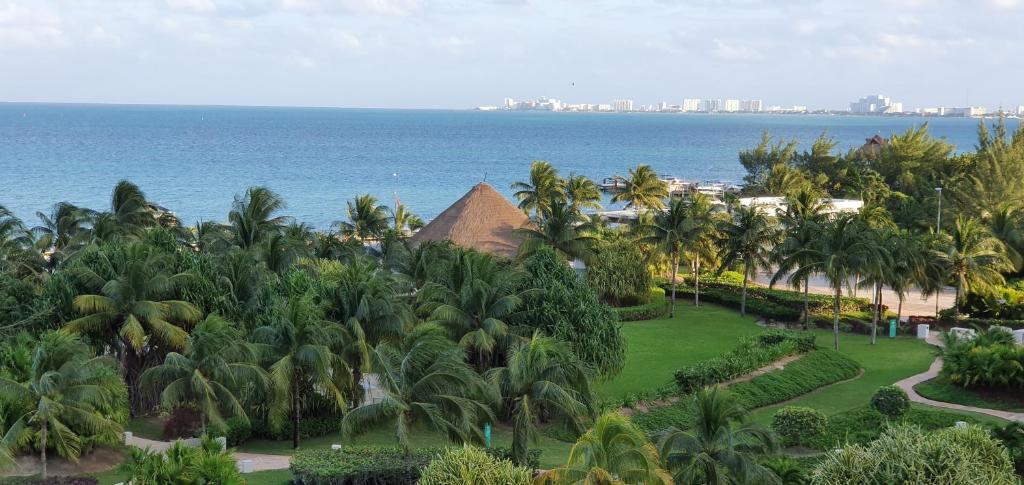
x,y
891,401
618,275
238,430
16,300
311,426
567,309
990,360
205,464
1012,436
863,424
750,354
907,454
656,307
360,466
613,447
799,425
473,466
505,453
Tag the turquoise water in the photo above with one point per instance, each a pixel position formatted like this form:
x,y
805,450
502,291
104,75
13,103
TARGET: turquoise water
x,y
194,160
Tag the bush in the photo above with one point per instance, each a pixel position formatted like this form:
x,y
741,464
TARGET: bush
x,y
990,360
505,453
569,310
359,466
799,425
472,466
207,463
309,427
891,401
749,355
907,454
238,430
656,307
49,481
618,274
863,425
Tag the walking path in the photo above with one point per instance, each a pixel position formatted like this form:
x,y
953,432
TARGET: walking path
x,y
259,462
933,372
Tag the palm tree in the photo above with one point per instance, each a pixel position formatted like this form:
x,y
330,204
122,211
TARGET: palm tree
x,y
613,451
129,313
643,189
908,262
252,217
975,258
749,237
1007,224
542,377
582,193
722,446
543,189
801,226
876,271
130,213
304,360
426,381
16,244
68,393
367,220
62,230
561,228
699,241
474,301
215,366
669,230
405,221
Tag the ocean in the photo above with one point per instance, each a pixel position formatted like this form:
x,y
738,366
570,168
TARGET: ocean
x,y
195,160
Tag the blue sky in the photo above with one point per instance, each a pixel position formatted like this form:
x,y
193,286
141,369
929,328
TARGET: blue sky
x,y
463,53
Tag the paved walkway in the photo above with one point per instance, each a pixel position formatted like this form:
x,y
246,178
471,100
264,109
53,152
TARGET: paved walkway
x,y
259,462
933,372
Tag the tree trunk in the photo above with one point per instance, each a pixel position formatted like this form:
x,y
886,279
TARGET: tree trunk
x,y
899,310
807,305
743,299
835,317
520,454
295,414
956,302
696,283
42,452
675,270
874,314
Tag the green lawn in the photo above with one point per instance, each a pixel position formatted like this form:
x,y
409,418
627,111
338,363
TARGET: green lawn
x,y
149,427
657,348
940,389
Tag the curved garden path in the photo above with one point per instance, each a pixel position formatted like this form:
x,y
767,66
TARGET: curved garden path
x,y
933,372
260,462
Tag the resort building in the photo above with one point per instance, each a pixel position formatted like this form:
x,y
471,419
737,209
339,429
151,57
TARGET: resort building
x,y
482,219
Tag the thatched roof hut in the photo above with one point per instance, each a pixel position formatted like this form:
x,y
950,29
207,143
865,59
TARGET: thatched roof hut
x,y
482,220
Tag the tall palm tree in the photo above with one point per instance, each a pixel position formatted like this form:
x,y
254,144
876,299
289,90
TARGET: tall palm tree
x,y
643,189
16,244
668,232
702,231
876,271
367,220
543,189
304,361
561,228
426,381
62,230
130,212
1007,224
748,236
975,258
254,216
909,259
130,313
582,193
542,377
215,367
474,302
801,225
68,394
613,451
404,220
722,446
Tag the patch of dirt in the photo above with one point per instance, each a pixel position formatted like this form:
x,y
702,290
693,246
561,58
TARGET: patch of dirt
x,y
100,460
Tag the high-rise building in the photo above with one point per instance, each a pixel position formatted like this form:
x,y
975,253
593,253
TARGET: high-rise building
x,y
1020,110
509,103
623,105
750,105
731,105
691,104
875,104
710,105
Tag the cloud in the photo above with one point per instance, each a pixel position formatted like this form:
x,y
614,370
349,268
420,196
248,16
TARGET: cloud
x,y
345,40
1007,4
199,6
376,7
29,27
734,51
101,35
453,44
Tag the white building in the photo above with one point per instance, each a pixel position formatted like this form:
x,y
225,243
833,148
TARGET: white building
x,y
711,105
967,112
509,103
731,105
1020,110
623,105
776,206
691,104
750,105
875,104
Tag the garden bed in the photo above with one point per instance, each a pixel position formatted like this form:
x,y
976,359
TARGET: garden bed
x,y
940,389
656,307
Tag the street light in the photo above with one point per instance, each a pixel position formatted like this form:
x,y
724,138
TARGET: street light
x,y
938,227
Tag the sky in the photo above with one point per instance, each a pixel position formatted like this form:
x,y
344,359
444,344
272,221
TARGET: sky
x,y
465,53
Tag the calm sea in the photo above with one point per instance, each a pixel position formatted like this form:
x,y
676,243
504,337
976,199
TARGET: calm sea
x,y
194,160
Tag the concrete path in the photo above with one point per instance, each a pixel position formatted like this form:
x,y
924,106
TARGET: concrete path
x,y
933,372
260,462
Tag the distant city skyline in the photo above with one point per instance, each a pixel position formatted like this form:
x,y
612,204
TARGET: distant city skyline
x,y
461,53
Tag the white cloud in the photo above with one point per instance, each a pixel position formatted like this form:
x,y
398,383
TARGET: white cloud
x,y
101,35
200,6
1005,3
734,51
377,7
302,62
453,44
345,40
29,27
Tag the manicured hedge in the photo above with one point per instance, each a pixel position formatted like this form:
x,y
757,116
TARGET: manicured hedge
x,y
656,307
799,425
309,427
750,354
732,298
359,466
814,370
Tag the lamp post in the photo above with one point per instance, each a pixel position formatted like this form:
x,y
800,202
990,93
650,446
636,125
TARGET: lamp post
x,y
938,227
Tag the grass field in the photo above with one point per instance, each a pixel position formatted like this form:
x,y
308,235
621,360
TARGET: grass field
x,y
940,389
657,348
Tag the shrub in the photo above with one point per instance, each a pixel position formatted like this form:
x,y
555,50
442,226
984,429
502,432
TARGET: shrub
x,y
907,454
656,307
505,453
618,275
991,359
238,431
309,427
891,401
184,422
208,463
473,466
799,425
863,425
749,355
359,466
49,481
569,310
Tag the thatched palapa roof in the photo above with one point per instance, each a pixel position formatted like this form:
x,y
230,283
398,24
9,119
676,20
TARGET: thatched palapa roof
x,y
482,220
